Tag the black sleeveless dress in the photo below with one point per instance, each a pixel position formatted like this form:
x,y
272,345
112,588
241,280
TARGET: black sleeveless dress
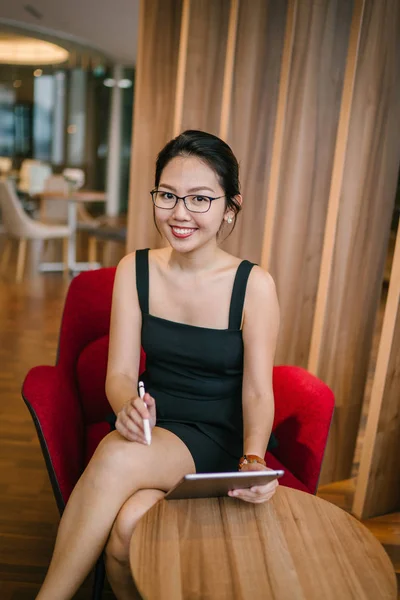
x,y
195,376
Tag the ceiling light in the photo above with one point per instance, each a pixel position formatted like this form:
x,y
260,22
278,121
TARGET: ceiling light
x,y
124,83
109,82
37,72
19,50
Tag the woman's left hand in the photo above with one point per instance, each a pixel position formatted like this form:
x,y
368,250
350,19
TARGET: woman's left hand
x,y
258,493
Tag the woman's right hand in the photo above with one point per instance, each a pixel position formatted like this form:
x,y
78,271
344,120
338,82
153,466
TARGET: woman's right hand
x,y
129,421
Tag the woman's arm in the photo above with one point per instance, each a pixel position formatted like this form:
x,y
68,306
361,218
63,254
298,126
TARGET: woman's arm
x,y
260,333
125,329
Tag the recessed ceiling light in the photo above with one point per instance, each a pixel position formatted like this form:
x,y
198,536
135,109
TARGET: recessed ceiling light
x,y
109,82
20,50
38,72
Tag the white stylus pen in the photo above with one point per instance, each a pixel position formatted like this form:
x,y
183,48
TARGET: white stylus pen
x,y
146,422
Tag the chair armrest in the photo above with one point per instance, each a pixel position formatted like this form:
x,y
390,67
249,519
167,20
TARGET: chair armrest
x,y
303,412
53,402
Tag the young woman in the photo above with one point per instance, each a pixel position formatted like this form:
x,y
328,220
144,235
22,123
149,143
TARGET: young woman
x,y
208,323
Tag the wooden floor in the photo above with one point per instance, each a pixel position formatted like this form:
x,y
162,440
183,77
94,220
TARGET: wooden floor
x,y
30,315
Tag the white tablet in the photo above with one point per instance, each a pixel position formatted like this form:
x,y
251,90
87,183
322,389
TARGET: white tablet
x,y
212,485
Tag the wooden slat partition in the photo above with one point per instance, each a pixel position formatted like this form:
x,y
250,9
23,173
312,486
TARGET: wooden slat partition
x,y
378,481
228,71
180,78
365,213
336,188
252,114
305,168
156,73
276,161
205,64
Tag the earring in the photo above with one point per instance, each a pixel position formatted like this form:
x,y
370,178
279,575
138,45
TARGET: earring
x,y
229,219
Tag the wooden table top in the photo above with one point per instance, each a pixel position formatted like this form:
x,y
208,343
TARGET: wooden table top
x,y
296,546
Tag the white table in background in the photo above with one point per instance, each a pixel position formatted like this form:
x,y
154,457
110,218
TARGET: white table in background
x,y
73,199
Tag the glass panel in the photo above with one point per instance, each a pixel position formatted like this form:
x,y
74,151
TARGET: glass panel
x,y
7,99
43,98
57,154
126,138
76,118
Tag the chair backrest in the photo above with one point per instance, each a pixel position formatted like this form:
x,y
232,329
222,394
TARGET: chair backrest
x,y
24,173
55,208
83,344
15,220
37,176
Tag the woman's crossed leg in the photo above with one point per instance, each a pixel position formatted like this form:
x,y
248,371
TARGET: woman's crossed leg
x,y
117,471
117,547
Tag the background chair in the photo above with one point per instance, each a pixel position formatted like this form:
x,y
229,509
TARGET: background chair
x,y
32,176
114,232
54,210
76,179
18,225
68,404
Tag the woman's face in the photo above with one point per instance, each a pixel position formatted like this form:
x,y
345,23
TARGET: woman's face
x,y
185,230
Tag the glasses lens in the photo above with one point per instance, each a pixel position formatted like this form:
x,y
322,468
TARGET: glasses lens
x,y
198,203
164,199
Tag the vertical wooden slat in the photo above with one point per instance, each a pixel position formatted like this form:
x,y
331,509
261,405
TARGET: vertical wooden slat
x,y
156,76
229,67
139,80
336,186
378,482
275,168
320,47
251,124
182,59
205,64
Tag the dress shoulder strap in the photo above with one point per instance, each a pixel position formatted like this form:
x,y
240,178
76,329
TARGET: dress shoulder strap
x,y
142,278
239,293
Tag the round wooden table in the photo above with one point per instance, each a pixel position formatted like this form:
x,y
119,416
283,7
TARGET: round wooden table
x,y
296,546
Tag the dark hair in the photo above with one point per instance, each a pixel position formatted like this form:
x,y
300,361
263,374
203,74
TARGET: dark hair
x,y
211,150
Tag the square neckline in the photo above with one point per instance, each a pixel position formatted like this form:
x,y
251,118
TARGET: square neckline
x,y
148,314
236,302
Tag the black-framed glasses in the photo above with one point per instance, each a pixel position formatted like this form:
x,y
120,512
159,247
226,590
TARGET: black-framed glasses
x,y
193,202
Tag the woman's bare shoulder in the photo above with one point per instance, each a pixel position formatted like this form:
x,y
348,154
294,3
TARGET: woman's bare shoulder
x,y
127,264
261,283
260,292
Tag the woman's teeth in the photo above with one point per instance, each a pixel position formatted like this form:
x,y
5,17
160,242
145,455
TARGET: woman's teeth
x,y
181,230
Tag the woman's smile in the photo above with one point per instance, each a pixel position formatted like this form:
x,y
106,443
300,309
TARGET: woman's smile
x,y
182,232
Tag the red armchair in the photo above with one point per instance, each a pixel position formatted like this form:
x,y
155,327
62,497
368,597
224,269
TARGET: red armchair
x,y
68,403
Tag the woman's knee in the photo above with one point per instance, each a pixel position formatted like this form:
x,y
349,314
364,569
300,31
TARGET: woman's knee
x,y
117,547
111,458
